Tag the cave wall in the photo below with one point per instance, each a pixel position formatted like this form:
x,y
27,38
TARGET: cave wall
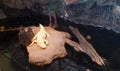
x,y
100,13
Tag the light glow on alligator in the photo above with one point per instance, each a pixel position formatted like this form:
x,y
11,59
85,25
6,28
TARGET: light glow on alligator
x,y
40,38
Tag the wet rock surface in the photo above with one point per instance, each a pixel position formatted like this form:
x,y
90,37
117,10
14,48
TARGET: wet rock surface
x,y
100,13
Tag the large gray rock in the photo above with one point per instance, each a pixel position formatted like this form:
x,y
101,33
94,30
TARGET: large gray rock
x,y
100,13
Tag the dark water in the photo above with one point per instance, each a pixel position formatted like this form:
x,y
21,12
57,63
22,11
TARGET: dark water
x,y
106,42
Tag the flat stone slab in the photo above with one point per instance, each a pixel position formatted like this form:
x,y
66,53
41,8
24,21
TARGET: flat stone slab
x,y
55,48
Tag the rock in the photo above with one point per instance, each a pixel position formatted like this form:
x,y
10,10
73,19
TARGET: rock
x,y
79,12
55,48
69,65
105,13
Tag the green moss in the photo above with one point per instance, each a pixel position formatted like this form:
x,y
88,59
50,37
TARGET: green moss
x,y
5,63
53,5
53,8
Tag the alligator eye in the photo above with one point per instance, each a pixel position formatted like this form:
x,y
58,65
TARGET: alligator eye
x,y
46,42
